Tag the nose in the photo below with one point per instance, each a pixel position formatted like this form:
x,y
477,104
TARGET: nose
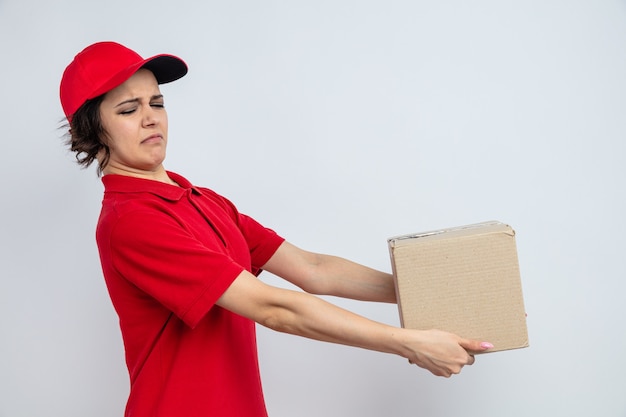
x,y
151,117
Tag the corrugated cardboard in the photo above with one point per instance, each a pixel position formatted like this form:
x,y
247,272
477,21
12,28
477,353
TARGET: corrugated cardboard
x,y
464,280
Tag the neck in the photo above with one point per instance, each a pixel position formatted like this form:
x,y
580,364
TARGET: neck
x,y
158,174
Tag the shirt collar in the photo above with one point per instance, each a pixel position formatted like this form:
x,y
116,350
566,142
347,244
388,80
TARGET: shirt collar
x,y
125,184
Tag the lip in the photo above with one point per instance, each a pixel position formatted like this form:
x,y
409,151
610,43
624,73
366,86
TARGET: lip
x,y
153,138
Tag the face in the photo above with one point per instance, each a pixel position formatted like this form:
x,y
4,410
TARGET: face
x,y
135,121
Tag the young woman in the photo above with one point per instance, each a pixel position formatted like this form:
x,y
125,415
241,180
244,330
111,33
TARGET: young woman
x,y
181,263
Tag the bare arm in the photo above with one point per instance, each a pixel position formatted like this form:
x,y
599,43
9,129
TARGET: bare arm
x,y
303,314
330,275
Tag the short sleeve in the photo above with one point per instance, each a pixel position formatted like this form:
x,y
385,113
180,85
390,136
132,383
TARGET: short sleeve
x,y
263,242
152,251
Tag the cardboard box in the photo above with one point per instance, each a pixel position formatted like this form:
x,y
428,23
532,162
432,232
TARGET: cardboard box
x,y
464,280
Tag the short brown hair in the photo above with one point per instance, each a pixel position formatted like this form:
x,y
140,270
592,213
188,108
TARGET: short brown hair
x,y
86,135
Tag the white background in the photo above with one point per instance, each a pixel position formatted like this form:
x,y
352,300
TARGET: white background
x,y
339,124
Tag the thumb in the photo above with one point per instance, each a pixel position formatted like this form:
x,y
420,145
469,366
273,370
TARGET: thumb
x,y
475,345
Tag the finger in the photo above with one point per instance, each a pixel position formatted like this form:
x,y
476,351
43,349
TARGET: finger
x,y
475,345
471,360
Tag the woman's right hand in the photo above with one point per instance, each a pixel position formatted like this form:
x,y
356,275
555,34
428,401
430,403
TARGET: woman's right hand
x,y
442,353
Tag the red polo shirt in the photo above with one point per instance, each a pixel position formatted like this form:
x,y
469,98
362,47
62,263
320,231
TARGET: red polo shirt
x,y
168,253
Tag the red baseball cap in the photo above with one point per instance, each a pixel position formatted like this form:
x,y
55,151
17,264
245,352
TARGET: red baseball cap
x,y
102,66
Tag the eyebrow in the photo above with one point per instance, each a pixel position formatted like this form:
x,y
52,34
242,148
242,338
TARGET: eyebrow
x,y
136,100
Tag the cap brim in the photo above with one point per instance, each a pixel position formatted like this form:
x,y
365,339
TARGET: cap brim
x,y
166,68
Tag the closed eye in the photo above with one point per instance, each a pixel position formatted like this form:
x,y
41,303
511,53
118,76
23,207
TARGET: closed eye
x,y
129,111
